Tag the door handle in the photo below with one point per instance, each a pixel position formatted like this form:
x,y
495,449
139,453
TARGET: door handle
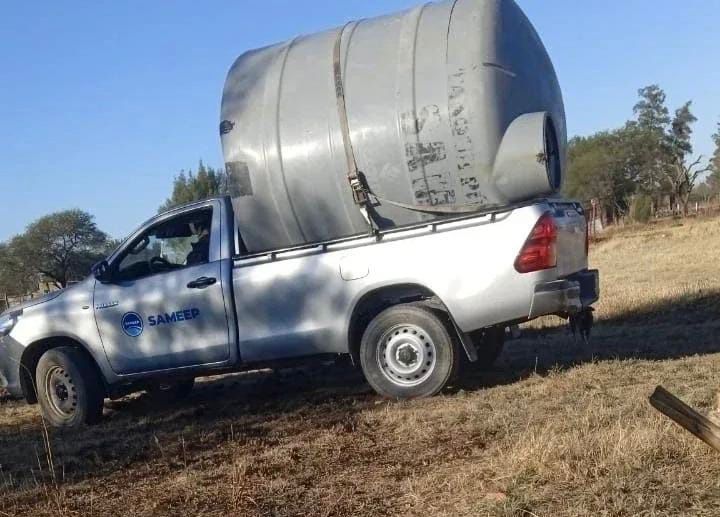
x,y
202,282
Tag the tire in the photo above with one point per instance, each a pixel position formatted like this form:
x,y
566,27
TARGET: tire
x,y
407,352
166,393
489,344
69,388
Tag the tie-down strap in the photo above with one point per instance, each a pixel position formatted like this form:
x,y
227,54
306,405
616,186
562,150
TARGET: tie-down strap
x,y
362,194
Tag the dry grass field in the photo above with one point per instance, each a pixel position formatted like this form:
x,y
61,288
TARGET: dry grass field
x,y
554,429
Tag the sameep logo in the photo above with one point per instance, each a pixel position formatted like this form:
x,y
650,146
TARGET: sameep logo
x,y
174,317
132,324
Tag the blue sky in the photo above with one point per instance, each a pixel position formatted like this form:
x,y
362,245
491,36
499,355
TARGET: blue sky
x,y
102,103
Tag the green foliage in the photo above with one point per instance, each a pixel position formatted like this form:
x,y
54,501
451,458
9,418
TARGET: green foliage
x,y
189,187
648,156
641,208
610,166
111,245
682,175
702,192
591,173
713,180
650,110
15,278
60,247
681,131
715,161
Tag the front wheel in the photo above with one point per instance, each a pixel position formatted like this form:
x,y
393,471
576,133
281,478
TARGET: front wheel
x,y
69,388
407,352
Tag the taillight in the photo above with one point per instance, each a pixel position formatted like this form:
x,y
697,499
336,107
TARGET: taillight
x,y
540,249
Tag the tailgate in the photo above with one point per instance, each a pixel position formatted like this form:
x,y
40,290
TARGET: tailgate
x,y
572,235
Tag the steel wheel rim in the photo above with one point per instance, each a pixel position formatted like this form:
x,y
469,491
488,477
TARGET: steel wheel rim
x,y
60,392
406,355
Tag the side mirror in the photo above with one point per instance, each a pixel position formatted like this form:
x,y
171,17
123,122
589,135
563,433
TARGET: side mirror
x,y
101,271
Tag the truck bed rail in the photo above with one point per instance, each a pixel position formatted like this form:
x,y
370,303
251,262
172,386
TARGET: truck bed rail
x,y
399,232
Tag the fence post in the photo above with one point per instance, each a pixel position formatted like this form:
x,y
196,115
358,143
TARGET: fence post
x,y
6,303
686,417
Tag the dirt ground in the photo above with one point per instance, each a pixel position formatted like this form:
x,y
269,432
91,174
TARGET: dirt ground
x,y
555,428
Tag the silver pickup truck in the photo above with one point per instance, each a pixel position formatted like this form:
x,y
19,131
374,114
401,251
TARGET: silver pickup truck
x,y
181,298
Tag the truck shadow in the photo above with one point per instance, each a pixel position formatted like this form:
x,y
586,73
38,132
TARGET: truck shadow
x,y
259,407
265,407
669,329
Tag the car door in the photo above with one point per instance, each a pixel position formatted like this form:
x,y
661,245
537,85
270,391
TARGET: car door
x,y
162,306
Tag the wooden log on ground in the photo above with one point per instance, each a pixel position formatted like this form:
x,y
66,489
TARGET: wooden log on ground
x,y
685,416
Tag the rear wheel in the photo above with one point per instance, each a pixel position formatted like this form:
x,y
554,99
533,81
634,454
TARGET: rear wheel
x,y
407,352
69,388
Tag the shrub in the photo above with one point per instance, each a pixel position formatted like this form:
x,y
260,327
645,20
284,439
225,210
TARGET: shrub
x,y
641,209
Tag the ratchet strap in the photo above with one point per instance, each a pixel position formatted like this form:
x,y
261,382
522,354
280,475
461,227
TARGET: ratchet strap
x,y
359,191
362,195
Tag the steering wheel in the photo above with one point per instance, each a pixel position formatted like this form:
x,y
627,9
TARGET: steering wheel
x,y
160,264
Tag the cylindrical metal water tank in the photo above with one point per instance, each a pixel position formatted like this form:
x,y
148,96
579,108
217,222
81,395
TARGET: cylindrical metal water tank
x,y
450,104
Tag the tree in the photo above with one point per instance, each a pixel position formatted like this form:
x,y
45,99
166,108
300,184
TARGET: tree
x,y
682,175
590,173
111,245
684,178
667,147
641,208
61,247
713,179
15,278
681,130
649,157
701,193
608,166
650,110
652,124
189,187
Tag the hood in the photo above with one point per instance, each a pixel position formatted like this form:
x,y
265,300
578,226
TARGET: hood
x,y
35,301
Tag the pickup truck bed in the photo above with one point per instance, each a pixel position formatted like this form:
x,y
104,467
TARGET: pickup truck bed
x,y
292,302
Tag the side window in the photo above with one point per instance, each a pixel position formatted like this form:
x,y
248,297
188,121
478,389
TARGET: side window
x,y
180,242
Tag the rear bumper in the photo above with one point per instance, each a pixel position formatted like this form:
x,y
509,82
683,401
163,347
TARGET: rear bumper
x,y
567,296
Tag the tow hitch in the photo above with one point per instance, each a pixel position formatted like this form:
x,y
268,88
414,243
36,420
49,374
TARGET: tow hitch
x,y
582,323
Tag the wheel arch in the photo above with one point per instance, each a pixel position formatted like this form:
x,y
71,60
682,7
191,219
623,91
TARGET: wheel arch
x,y
32,354
376,300
373,302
